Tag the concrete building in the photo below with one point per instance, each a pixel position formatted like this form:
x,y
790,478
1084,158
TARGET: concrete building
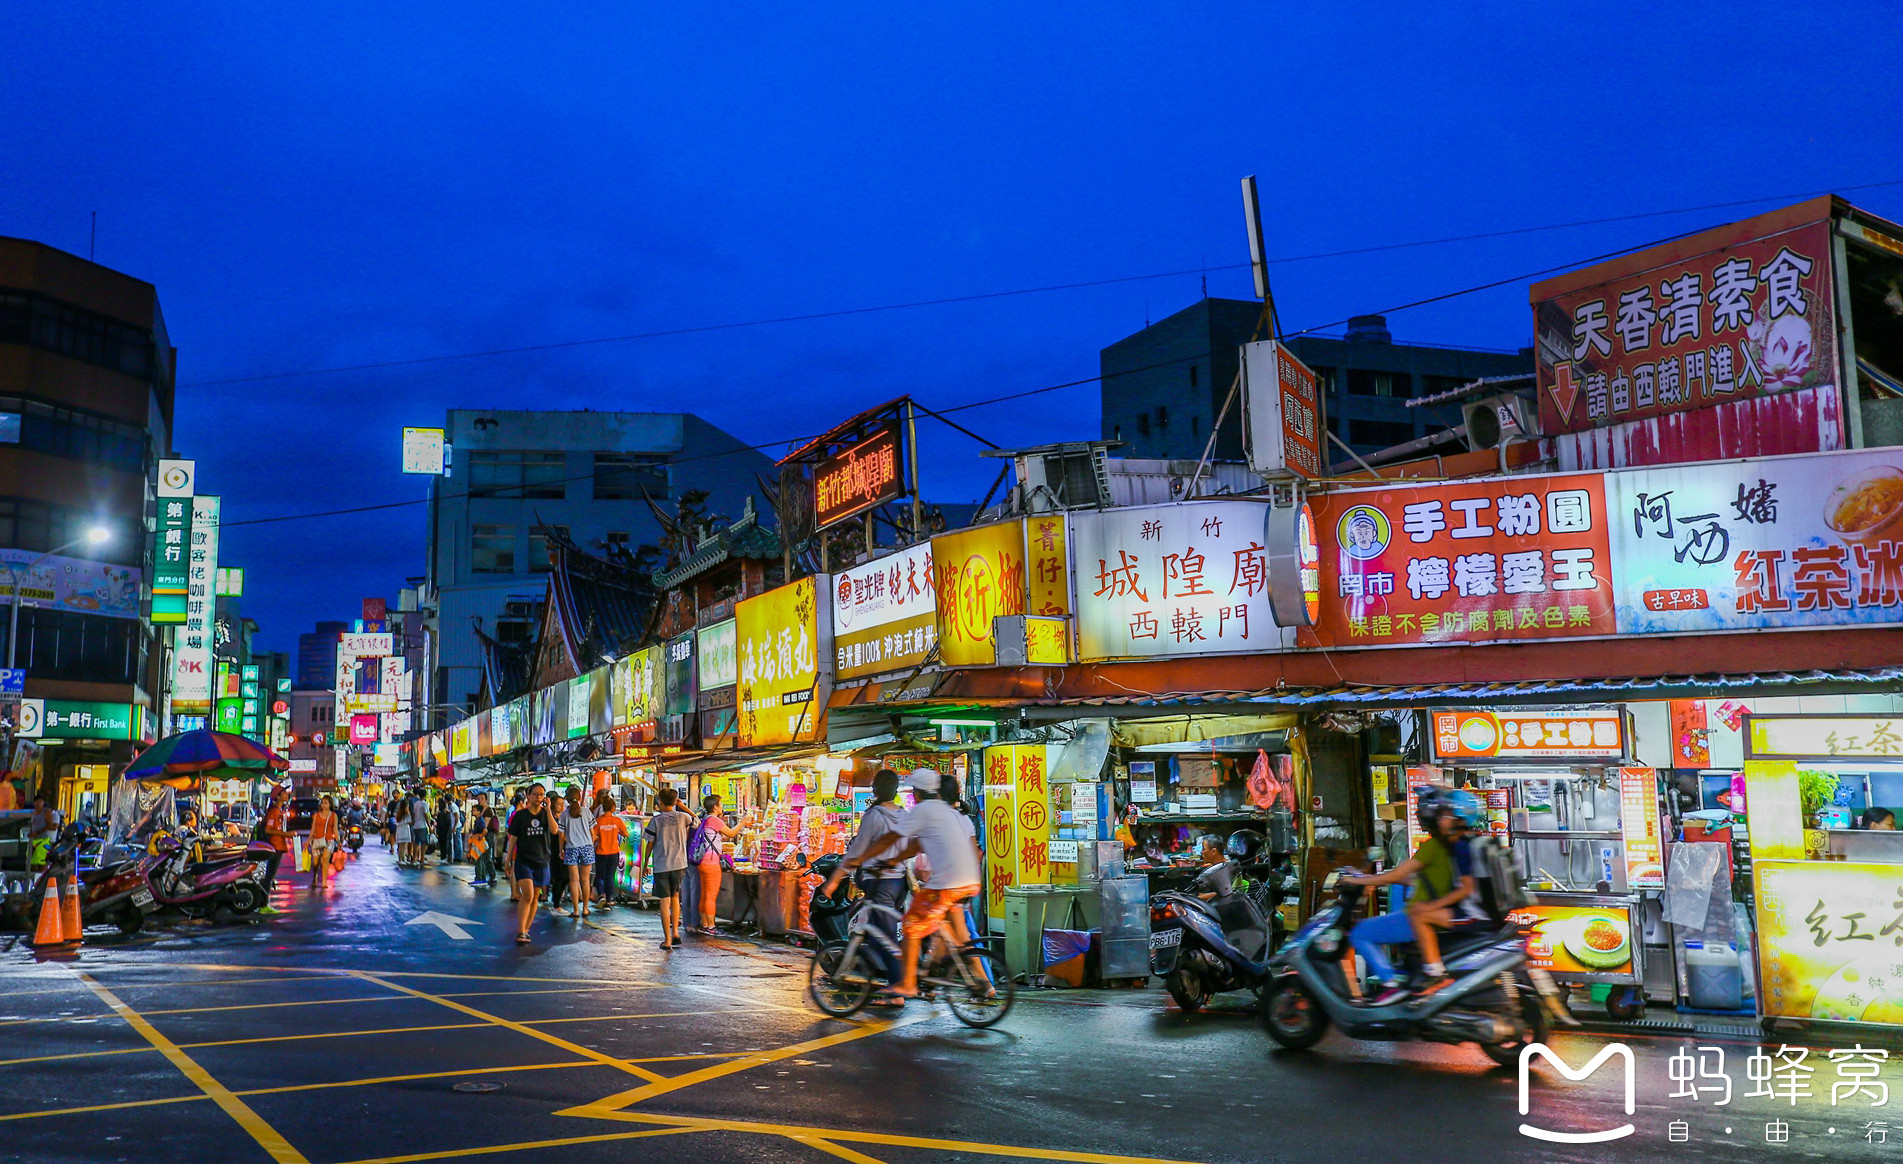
x,y
86,395
317,655
590,475
1164,386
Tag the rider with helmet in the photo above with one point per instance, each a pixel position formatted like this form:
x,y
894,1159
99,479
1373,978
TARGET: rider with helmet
x,y
1443,880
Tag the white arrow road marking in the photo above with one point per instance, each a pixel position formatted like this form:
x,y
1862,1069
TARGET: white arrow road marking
x,y
453,926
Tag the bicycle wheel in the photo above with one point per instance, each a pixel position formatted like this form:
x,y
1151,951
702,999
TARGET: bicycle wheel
x,y
835,988
980,1004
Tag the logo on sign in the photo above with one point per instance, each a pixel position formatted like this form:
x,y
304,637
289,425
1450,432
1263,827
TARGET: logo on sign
x,y
1364,532
1618,1050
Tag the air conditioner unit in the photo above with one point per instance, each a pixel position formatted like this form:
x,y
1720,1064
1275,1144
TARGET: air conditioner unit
x,y
1493,421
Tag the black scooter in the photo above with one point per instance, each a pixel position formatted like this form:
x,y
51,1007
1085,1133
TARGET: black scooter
x,y
1203,948
1493,1001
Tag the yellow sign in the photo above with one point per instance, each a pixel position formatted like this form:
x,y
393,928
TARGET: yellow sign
x,y
1828,939
980,576
1577,939
1773,812
1046,641
1047,564
1018,820
777,635
636,687
1826,737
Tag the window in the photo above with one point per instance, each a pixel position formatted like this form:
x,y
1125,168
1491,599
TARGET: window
x,y
516,473
26,524
34,320
66,432
1162,416
541,557
1381,434
84,647
1195,426
1143,424
630,476
618,537
1365,383
492,549
1192,375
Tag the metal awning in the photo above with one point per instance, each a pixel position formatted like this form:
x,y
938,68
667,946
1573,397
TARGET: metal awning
x,y
1530,692
744,758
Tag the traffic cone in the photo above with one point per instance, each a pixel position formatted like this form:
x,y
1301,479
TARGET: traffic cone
x,y
69,914
50,932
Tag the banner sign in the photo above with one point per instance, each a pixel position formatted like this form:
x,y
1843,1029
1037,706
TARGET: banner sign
x,y
1868,738
980,576
1823,942
1580,941
885,614
64,583
636,690
1185,579
1744,319
718,660
1018,820
779,636
176,484
1284,412
1639,823
679,668
1788,541
70,720
1494,559
197,638
354,645
858,478
1047,544
1528,735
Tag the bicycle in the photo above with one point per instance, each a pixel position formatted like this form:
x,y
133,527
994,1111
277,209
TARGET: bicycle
x,y
840,978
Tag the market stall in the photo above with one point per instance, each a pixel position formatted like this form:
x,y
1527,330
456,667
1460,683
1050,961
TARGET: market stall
x,y
1825,883
1587,833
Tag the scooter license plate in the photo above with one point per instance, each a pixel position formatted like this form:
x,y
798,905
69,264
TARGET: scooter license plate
x,y
1164,938
142,897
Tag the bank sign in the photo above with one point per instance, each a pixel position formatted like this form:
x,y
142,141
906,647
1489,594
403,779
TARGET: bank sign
x,y
68,720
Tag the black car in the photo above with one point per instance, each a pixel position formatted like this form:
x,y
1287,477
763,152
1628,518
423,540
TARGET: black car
x,y
303,808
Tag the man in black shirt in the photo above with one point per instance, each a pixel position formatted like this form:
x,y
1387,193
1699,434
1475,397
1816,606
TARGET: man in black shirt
x,y
531,832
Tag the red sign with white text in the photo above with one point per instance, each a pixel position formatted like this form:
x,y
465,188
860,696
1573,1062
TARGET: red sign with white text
x,y
1470,561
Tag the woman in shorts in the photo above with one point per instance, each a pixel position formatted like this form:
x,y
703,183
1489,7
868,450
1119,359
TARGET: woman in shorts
x,y
578,850
324,835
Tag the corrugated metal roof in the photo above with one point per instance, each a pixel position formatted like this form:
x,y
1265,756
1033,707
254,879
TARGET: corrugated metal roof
x,y
1545,691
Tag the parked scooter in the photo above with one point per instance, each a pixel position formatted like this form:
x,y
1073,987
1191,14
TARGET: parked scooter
x,y
1494,1000
105,890
1202,948
197,888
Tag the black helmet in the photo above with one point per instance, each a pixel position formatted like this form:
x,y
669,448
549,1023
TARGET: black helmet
x,y
827,865
1245,845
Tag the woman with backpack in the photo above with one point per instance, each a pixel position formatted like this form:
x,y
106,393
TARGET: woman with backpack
x,y
704,854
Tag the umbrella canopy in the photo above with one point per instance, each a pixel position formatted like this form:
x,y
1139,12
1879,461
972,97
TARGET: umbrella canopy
x,y
201,753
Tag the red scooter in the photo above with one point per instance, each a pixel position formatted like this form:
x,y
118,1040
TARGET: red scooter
x,y
197,888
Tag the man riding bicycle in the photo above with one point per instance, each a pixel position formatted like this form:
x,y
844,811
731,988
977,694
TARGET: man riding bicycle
x,y
935,829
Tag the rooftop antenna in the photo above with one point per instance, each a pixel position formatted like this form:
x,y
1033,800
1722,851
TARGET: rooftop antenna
x,y
1266,322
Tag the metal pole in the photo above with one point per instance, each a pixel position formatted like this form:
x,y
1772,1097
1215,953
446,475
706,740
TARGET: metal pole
x,y
911,454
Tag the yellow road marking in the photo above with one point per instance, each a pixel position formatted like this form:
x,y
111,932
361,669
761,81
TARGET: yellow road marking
x,y
308,977
392,1031
521,1028
839,1150
809,1134
275,1145
611,1105
58,1111
526,1146
314,971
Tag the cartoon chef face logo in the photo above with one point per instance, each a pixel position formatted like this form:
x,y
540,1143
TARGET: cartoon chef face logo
x,y
1364,532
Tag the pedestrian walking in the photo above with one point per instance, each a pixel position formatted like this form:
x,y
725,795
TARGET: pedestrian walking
x,y
445,827
664,846
558,879
482,838
578,851
610,831
507,862
41,830
531,832
276,828
419,830
400,828
323,842
705,854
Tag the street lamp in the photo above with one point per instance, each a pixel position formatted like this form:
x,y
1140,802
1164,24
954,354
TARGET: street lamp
x,y
97,535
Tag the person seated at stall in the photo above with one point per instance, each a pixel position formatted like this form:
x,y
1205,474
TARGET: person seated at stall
x,y
1443,883
1878,818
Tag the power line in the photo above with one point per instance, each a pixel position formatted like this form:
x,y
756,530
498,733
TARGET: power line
x,y
1021,394
559,345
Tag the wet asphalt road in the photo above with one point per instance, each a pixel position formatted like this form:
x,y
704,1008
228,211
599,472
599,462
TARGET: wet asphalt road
x,y
337,1032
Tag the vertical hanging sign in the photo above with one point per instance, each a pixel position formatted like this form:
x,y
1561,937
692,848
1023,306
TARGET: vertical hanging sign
x,y
176,485
192,654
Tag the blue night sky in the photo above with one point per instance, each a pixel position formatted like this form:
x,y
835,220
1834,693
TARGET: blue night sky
x,y
335,184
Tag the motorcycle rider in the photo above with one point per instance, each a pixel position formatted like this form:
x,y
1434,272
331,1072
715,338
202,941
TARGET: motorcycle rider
x,y
1443,881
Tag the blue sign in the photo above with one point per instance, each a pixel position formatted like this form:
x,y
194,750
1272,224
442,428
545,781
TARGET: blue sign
x,y
12,681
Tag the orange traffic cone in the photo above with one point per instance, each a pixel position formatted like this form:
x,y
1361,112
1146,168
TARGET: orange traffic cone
x,y
69,913
50,932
